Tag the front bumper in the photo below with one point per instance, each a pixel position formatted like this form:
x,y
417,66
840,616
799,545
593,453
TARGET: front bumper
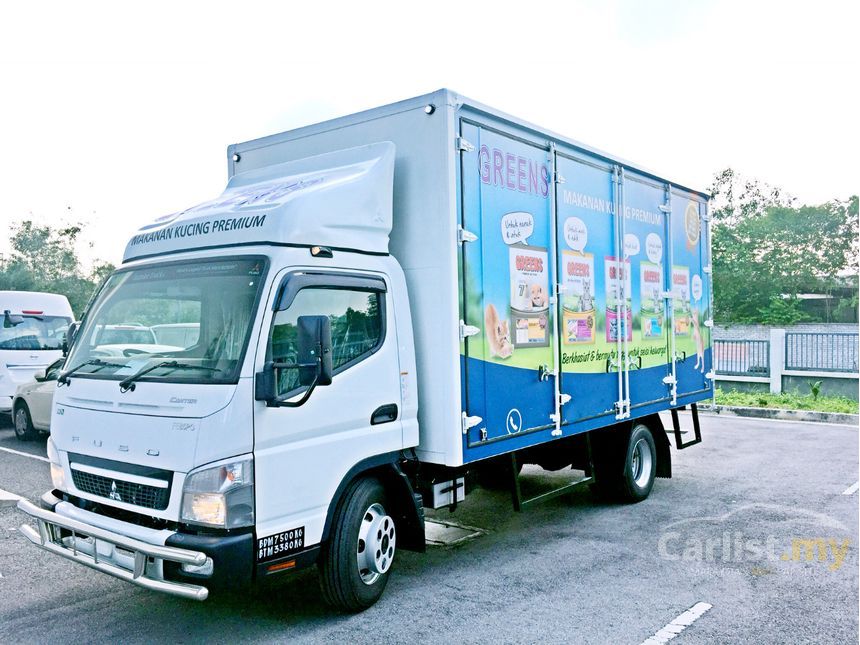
x,y
121,556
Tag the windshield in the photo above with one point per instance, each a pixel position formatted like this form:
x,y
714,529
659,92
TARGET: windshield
x,y
205,308
34,333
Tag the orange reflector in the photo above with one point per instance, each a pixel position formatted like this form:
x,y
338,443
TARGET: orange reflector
x,y
281,566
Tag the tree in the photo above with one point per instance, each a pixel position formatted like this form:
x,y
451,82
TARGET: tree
x,y
44,259
767,250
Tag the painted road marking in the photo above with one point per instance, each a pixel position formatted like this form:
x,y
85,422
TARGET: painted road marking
x,y
7,498
852,488
23,454
678,624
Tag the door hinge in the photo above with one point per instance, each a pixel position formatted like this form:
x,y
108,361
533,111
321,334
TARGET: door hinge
x,y
667,295
706,269
711,376
465,236
470,422
463,145
559,178
563,398
670,380
709,323
665,208
468,330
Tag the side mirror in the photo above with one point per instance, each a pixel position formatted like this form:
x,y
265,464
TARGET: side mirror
x,y
39,376
314,363
11,320
71,332
314,350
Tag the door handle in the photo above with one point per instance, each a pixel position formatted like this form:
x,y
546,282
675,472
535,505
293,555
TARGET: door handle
x,y
384,414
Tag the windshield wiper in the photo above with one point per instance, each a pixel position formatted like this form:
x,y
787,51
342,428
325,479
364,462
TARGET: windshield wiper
x,y
128,383
63,379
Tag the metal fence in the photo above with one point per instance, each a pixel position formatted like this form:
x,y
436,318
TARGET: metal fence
x,y
742,357
821,352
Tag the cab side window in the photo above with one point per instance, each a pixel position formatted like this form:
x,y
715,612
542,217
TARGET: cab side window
x,y
357,328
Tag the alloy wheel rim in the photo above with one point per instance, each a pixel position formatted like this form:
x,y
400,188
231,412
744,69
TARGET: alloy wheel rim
x,y
20,421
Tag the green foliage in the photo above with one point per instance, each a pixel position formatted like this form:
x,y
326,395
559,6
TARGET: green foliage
x,y
787,401
767,250
43,258
815,388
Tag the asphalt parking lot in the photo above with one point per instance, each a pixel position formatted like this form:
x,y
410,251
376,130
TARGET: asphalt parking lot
x,y
757,530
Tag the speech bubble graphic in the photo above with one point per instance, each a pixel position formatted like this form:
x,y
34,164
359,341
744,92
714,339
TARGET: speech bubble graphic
x,y
696,287
631,245
654,248
517,227
575,233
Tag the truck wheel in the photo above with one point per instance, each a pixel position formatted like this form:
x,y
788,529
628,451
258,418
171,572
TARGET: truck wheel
x,y
640,465
24,429
356,560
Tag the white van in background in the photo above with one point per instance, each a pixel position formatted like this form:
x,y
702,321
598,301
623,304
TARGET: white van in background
x,y
31,337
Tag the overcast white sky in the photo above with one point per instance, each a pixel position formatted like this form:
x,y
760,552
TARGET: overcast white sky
x,y
122,111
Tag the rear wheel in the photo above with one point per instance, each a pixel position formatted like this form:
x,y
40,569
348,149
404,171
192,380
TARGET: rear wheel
x,y
640,465
626,470
356,561
24,429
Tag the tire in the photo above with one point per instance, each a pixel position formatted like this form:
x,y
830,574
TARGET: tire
x,y
626,471
356,560
23,423
640,466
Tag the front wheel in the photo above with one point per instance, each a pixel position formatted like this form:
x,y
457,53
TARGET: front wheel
x,y
356,561
24,429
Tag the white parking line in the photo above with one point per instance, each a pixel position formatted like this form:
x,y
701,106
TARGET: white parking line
x,y
23,454
852,488
679,624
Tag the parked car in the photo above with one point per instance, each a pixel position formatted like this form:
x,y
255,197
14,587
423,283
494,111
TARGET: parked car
x,y
31,405
32,335
128,339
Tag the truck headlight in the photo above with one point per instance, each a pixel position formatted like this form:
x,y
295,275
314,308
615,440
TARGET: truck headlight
x,y
58,475
220,495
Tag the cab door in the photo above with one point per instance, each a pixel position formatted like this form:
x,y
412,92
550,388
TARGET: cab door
x,y
302,454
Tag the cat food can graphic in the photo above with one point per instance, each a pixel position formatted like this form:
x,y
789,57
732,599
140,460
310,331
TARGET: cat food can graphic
x,y
651,303
529,276
579,312
681,299
618,290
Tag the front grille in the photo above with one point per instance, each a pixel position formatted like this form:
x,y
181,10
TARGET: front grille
x,y
122,491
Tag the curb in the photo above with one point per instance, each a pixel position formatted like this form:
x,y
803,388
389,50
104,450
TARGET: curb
x,y
787,415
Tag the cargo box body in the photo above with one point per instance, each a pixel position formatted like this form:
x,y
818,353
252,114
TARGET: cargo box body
x,y
554,289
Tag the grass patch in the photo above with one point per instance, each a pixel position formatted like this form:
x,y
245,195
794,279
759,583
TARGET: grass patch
x,y
787,401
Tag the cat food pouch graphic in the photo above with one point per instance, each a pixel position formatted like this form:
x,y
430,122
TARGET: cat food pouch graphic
x,y
579,310
529,277
681,299
618,286
651,304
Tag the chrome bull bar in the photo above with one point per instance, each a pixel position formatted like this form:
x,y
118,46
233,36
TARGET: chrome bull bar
x,y
80,549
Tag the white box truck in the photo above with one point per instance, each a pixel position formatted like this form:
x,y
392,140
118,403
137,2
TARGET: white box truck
x,y
383,304
32,337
